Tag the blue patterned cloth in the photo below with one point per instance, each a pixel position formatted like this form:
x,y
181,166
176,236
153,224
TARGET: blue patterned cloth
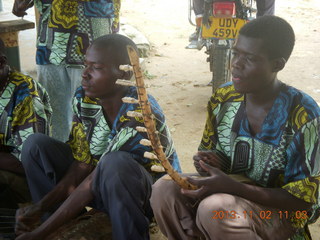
x,y
67,28
24,109
285,153
91,137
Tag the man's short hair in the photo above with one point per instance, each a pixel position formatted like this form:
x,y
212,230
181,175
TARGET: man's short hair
x,y
276,33
116,46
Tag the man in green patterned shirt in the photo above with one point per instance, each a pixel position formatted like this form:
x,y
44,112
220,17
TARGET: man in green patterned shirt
x,y
24,110
103,163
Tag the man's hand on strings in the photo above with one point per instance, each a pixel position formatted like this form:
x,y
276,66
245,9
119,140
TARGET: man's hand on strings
x,y
209,158
20,7
27,219
217,182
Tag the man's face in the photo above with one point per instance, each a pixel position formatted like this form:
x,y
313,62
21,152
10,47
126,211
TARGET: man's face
x,y
251,68
99,75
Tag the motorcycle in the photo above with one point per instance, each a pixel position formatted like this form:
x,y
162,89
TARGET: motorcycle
x,y
221,23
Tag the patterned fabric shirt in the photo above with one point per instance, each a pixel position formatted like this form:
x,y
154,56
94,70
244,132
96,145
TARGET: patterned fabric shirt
x,y
67,28
91,137
285,153
24,109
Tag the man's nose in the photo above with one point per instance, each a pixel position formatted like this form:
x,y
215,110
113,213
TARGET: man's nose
x,y
85,73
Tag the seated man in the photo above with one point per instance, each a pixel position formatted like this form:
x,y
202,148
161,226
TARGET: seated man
x,y
260,127
24,110
102,164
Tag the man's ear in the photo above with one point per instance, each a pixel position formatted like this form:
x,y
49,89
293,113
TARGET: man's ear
x,y
278,64
120,74
125,74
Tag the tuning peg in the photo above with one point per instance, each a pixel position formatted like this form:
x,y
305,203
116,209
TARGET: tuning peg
x,y
124,82
150,155
141,129
134,114
157,168
126,68
129,100
145,142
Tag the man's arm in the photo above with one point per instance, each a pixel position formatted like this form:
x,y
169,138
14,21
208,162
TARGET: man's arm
x,y
10,163
21,6
79,198
75,175
219,182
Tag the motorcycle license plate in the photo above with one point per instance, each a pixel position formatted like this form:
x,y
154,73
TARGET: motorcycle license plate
x,y
223,28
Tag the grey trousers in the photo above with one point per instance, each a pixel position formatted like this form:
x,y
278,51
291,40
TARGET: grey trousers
x,y
121,186
219,216
265,7
198,7
60,83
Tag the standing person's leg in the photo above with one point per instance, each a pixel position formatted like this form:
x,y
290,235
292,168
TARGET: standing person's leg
x,y
224,216
174,212
45,161
265,7
75,77
59,81
122,188
198,9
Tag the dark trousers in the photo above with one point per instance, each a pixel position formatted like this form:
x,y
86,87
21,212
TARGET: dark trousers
x,y
265,7
121,186
198,7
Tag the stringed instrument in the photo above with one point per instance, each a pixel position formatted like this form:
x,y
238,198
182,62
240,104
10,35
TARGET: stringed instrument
x,y
150,128
148,118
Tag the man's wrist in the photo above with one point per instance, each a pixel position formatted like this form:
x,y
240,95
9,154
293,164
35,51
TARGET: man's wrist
x,y
40,207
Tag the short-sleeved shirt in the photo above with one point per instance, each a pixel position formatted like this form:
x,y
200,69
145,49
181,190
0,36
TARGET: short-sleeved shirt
x,y
67,27
285,153
24,110
91,137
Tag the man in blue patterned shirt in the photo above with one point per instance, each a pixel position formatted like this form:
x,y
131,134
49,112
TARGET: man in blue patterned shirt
x,y
258,127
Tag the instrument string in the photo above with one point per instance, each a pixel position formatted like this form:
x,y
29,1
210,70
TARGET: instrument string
x,y
223,164
150,123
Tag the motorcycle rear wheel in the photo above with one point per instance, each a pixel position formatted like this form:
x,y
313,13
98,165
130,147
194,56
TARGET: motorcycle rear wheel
x,y
219,59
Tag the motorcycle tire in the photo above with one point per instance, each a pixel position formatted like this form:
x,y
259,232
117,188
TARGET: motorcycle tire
x,y
219,59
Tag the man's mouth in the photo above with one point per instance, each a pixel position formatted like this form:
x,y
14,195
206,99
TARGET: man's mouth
x,y
85,86
236,77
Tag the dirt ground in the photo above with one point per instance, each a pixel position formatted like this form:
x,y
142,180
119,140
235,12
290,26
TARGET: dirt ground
x,y
173,71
